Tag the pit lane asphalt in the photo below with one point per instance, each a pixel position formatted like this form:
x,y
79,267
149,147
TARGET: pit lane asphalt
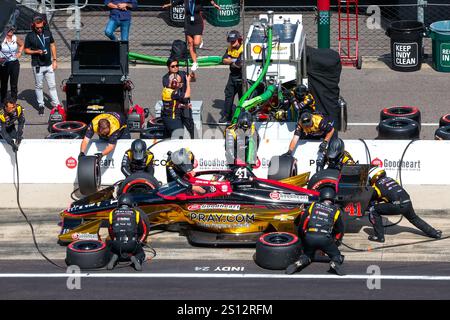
x,y
161,280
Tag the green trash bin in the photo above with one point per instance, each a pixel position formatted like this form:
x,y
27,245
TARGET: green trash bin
x,y
440,34
229,15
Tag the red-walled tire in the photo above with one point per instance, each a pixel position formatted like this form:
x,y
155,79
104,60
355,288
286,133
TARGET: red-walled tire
x,y
70,126
324,178
401,112
277,250
443,133
87,254
139,182
444,121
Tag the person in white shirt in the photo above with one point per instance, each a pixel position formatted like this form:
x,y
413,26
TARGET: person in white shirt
x,y
10,53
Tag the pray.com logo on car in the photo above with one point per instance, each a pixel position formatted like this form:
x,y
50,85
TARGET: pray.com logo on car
x,y
389,164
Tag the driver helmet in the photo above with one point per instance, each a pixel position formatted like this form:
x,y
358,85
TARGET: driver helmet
x,y
376,173
335,149
305,119
327,193
126,200
300,92
233,35
138,149
183,160
244,121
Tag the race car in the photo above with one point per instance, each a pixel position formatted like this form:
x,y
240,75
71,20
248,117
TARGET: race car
x,y
233,211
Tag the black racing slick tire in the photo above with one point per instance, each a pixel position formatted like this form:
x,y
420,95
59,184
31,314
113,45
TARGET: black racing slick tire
x,y
277,250
443,133
444,121
89,175
87,254
401,112
324,178
398,128
282,167
70,126
138,182
63,135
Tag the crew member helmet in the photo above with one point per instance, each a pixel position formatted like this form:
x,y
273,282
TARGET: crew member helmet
x,y
300,91
126,200
335,149
183,160
327,193
244,121
376,173
305,119
234,35
138,149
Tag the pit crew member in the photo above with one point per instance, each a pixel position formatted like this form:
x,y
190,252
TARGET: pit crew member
x,y
391,199
137,158
9,114
336,156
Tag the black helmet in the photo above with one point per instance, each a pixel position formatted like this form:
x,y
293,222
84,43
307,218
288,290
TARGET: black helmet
x,y
138,149
183,160
327,193
300,91
244,121
126,199
233,35
305,119
336,148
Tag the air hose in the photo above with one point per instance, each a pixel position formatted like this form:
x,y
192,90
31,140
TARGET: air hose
x,y
202,61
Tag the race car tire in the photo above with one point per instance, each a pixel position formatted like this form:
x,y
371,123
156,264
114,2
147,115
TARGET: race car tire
x,y
277,250
138,182
324,178
63,135
444,121
401,112
398,128
443,133
70,126
282,167
87,254
89,175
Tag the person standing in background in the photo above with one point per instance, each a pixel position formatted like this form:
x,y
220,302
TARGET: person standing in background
x,y
119,16
39,43
10,52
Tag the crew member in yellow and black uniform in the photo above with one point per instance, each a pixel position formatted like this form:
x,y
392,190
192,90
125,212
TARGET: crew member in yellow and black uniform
x,y
9,114
137,158
321,227
336,156
233,58
176,95
110,126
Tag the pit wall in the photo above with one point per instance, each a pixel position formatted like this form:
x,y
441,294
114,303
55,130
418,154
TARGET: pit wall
x,y
55,161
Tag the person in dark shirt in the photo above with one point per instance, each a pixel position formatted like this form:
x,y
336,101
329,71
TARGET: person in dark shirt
x,y
39,43
9,114
233,58
109,126
193,24
137,159
119,16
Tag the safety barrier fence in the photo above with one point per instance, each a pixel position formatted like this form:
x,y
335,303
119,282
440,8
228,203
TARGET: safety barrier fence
x,y
55,161
151,32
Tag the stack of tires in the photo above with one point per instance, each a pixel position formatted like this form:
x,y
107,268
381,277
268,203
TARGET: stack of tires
x,y
399,123
443,132
67,130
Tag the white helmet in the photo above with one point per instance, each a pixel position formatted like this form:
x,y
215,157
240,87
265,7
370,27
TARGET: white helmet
x,y
376,173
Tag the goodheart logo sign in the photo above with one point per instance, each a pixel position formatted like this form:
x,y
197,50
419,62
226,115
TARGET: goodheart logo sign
x,y
377,162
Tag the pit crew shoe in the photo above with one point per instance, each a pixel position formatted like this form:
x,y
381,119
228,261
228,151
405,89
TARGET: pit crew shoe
x,y
136,263
336,269
298,265
437,234
194,66
376,239
112,262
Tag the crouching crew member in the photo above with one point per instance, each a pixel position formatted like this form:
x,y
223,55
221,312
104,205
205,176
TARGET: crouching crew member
x,y
313,126
137,158
9,114
109,126
392,199
180,167
241,142
336,157
321,228
125,244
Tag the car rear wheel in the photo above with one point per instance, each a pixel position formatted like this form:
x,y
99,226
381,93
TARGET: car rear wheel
x,y
87,254
277,250
138,182
324,178
282,167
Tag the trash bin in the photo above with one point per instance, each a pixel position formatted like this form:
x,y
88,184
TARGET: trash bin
x,y
406,45
440,34
229,15
176,15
